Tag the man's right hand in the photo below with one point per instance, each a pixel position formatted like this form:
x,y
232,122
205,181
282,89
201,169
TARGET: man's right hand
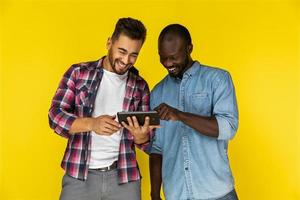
x,y
102,125
105,125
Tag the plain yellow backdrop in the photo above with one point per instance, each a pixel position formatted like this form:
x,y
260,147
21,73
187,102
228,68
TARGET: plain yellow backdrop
x,y
257,41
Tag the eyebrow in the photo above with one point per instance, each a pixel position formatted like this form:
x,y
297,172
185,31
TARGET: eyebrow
x,y
122,49
169,56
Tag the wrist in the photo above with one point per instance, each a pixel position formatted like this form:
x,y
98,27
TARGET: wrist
x,y
180,115
81,125
141,141
90,123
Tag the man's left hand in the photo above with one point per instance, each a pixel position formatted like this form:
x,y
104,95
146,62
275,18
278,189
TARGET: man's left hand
x,y
140,133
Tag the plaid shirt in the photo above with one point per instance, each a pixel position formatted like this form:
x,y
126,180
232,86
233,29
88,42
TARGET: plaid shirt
x,y
75,97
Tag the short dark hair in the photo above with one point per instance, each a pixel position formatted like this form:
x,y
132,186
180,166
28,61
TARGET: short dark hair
x,y
132,28
178,30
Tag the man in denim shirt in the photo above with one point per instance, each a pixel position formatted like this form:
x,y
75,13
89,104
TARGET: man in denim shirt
x,y
198,109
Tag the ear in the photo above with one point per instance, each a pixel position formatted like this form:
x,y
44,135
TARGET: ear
x,y
190,48
108,43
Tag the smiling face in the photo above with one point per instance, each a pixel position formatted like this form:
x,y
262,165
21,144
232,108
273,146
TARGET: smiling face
x,y
122,54
175,55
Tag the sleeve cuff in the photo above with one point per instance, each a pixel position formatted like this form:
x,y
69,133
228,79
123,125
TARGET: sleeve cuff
x,y
155,149
225,130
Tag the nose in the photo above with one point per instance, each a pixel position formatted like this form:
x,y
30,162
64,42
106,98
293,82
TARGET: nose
x,y
126,59
168,63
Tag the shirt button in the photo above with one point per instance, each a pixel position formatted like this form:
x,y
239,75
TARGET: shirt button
x,y
186,168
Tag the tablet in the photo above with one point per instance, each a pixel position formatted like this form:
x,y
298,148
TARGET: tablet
x,y
140,115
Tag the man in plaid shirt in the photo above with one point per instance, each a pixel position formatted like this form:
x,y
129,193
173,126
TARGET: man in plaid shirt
x,y
100,160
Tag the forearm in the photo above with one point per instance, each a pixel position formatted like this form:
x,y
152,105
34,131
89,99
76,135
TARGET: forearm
x,y
155,175
205,125
81,125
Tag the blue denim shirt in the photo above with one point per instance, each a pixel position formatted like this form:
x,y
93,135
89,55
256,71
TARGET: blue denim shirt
x,y
196,166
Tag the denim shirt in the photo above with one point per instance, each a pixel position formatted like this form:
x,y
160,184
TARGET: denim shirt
x,y
196,166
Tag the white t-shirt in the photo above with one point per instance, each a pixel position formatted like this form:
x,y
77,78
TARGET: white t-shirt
x,y
109,101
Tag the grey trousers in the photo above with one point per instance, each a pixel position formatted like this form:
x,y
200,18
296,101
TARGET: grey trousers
x,y
99,186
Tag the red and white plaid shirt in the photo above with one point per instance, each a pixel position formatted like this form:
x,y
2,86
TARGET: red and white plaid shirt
x,y
75,97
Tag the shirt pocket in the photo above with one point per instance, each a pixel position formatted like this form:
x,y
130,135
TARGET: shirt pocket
x,y
83,94
200,103
82,98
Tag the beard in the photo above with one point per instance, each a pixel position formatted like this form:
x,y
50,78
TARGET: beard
x,y
113,62
181,67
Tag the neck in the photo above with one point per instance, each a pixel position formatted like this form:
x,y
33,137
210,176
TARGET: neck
x,y
188,65
106,64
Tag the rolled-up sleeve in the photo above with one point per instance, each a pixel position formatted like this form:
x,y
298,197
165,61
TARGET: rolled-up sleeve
x,y
61,113
225,107
156,143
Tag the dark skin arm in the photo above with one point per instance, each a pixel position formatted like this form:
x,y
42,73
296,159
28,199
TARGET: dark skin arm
x,y
155,175
205,125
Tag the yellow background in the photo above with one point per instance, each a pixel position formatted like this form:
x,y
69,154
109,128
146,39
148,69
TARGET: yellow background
x,y
257,41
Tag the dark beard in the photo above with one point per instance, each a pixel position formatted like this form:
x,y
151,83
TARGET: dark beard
x,y
113,64
111,61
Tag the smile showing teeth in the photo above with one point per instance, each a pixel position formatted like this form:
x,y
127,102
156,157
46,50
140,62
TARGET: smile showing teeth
x,y
122,65
171,69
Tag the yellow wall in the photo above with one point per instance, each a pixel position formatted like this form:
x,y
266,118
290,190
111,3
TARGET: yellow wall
x,y
257,41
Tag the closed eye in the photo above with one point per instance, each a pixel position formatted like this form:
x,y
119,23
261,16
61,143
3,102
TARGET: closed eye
x,y
134,55
122,51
